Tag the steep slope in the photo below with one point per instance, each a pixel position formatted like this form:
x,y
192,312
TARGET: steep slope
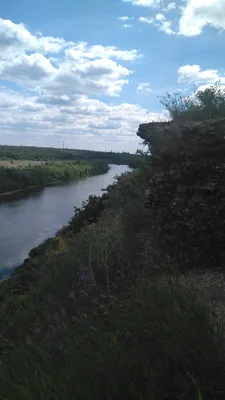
x,y
103,311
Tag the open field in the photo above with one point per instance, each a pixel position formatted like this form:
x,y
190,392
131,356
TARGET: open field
x,y
20,163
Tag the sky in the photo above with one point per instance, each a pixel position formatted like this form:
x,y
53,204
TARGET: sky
x,y
86,73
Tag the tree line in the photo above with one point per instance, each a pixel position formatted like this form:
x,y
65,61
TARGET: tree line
x,y
47,153
12,179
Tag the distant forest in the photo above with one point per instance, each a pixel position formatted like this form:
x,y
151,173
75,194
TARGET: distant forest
x,y
50,154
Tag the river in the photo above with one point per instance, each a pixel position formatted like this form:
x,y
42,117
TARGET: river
x,y
29,218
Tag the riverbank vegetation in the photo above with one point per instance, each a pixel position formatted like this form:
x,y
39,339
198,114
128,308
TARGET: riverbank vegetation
x,y
53,154
22,177
114,307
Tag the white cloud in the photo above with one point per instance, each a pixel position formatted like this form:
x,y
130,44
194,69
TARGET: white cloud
x,y
146,20
28,105
164,25
127,26
170,7
53,96
125,18
144,87
160,17
160,22
16,37
31,67
83,123
7,101
80,69
191,17
83,51
14,34
100,77
194,74
50,44
199,13
144,3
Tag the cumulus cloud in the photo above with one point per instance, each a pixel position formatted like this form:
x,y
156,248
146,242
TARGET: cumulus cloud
x,y
191,17
101,77
194,74
53,95
16,37
31,67
144,87
80,69
199,13
79,119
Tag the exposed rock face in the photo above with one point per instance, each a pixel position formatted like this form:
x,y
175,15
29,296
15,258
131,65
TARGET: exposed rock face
x,y
187,189
187,137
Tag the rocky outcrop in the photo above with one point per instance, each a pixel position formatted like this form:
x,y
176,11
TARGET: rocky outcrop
x,y
186,197
183,138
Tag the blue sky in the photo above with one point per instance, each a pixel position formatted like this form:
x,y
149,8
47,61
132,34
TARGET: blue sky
x,y
87,72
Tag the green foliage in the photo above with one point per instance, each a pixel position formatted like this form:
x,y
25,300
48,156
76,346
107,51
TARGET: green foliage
x,y
87,214
12,179
203,104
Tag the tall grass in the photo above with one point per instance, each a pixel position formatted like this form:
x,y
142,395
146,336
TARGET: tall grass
x,y
157,341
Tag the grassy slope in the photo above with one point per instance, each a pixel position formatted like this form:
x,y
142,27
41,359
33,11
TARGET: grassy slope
x,y
82,320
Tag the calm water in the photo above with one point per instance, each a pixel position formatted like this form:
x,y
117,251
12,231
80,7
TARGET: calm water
x,y
29,218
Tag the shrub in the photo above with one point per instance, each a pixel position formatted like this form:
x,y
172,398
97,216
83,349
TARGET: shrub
x,y
203,104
